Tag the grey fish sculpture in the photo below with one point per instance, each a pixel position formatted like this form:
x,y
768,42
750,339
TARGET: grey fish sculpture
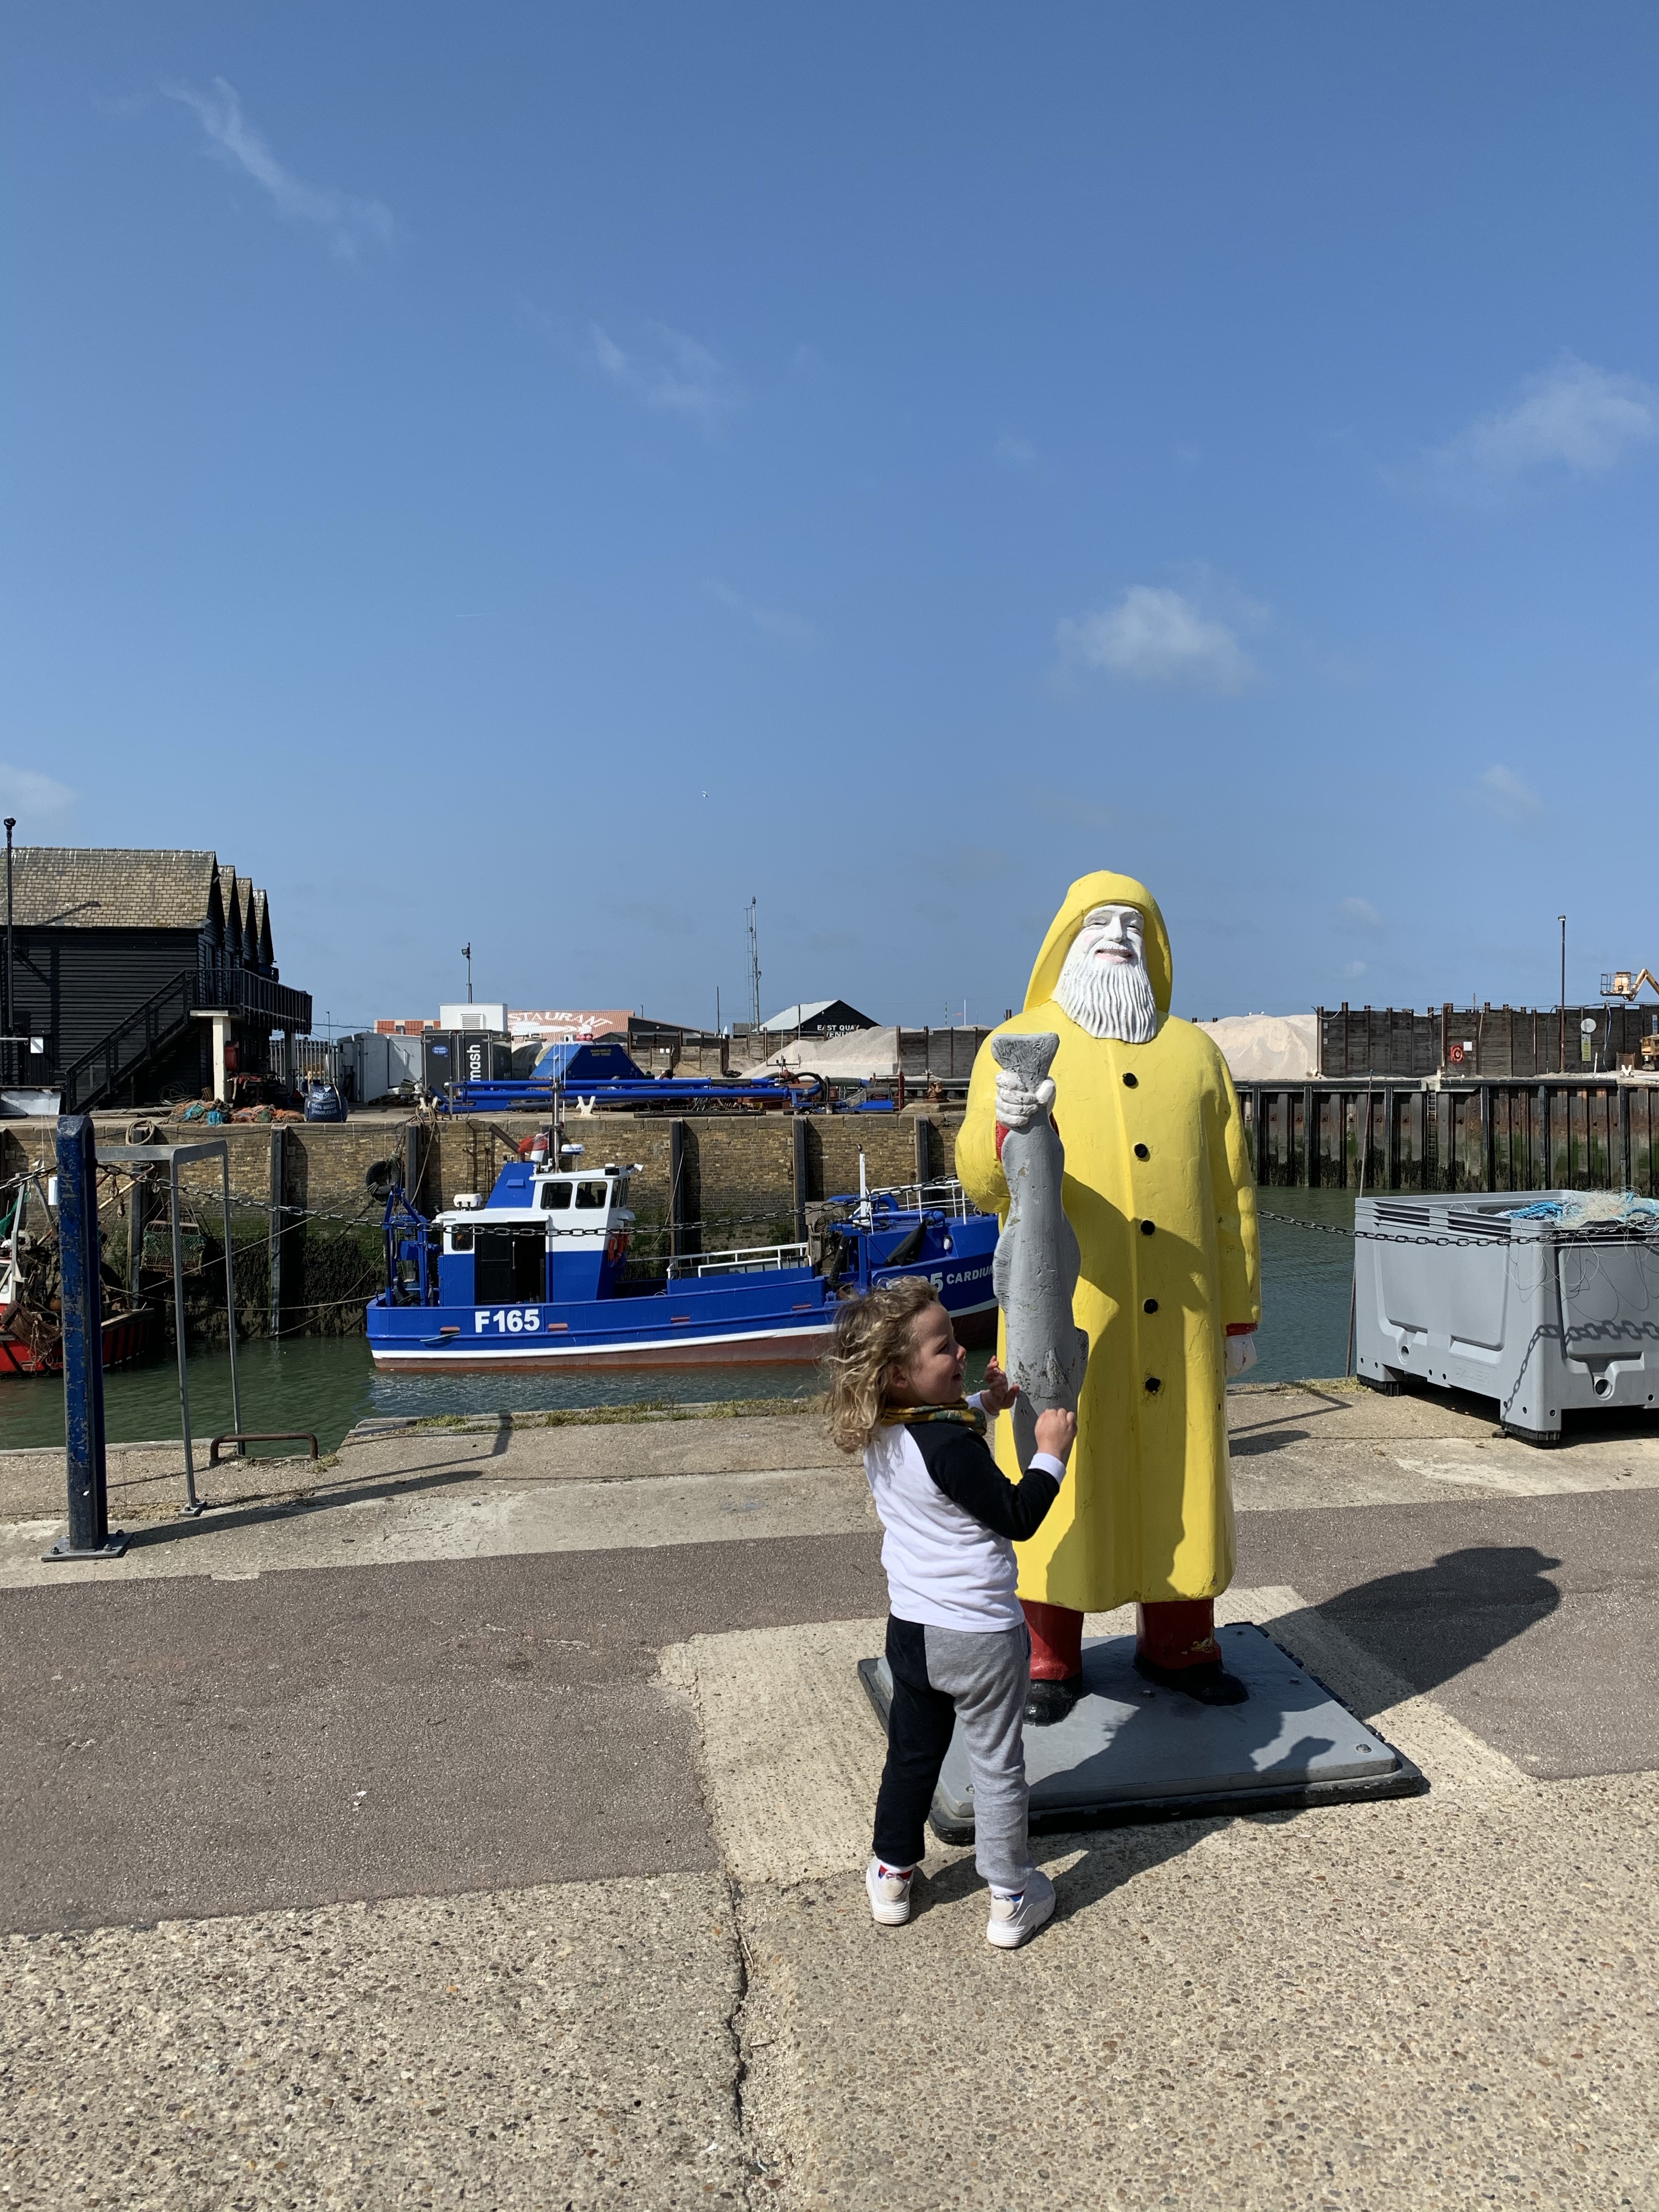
x,y
1035,1270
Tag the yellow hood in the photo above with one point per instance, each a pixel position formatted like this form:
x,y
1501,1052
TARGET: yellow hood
x,y
1103,888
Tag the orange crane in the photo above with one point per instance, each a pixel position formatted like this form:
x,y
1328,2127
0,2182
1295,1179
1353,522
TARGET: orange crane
x,y
1623,985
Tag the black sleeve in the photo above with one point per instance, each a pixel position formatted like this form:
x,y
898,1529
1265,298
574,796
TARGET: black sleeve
x,y
960,1462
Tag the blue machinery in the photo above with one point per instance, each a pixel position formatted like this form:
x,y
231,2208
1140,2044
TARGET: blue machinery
x,y
606,1075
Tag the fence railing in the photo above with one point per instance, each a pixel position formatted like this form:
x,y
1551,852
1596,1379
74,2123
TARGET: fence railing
x,y
245,991
744,1260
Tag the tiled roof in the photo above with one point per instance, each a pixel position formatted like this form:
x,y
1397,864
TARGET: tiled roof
x,y
91,887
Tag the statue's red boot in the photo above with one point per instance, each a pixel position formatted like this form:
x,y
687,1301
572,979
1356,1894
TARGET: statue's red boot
x,y
1175,1647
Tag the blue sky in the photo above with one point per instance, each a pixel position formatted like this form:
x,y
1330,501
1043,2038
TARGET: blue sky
x,y
541,476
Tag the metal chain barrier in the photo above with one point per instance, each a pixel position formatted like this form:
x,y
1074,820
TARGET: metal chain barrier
x,y
1587,1230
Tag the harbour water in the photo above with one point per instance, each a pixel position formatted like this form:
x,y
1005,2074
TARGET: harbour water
x,y
327,1384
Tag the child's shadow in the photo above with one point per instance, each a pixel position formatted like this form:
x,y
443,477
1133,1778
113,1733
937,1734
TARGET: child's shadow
x,y
1107,1859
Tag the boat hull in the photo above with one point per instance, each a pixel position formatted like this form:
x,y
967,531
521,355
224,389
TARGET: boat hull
x,y
126,1338
760,1316
785,1348
795,1348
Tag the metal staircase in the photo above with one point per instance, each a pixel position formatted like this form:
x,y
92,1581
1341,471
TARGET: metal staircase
x,y
163,1018
118,1055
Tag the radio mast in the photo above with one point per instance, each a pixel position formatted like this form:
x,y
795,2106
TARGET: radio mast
x,y
754,966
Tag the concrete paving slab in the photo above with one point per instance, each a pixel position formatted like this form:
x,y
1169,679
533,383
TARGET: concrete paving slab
x,y
1441,2002
147,1481
1422,2004
560,2046
1293,1445
404,1521
1130,1750
497,1489
791,1753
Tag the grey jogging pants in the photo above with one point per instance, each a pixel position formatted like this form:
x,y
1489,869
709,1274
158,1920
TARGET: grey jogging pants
x,y
944,1678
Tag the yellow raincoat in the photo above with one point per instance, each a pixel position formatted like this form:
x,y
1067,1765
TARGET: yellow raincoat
x,y
1170,1259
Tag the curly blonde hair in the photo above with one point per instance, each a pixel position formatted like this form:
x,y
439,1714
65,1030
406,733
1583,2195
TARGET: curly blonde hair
x,y
872,1337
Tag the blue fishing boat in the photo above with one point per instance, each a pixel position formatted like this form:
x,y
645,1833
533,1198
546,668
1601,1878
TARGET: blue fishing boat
x,y
537,1275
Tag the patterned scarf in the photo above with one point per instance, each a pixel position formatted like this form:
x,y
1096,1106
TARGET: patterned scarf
x,y
964,1415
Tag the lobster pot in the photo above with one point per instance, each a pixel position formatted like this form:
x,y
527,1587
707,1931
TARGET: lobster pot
x,y
1541,1316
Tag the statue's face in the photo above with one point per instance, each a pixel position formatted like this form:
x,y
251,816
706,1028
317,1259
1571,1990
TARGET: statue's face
x,y
1113,936
1104,984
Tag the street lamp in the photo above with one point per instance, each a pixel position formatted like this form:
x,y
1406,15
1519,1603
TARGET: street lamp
x,y
11,823
1562,1009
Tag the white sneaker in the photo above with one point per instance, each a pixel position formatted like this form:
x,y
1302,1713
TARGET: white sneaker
x,y
1016,1915
888,1894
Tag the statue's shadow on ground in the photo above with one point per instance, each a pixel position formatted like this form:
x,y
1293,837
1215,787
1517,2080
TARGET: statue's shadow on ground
x,y
1428,1624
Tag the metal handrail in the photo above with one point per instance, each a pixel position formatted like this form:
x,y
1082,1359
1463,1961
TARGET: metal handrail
x,y
212,981
240,989
946,1196
116,1063
743,1260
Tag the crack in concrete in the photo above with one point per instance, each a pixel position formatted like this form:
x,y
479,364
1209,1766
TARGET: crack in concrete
x,y
678,1678
735,2030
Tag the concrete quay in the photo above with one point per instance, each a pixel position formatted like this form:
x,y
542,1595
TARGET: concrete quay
x,y
480,1817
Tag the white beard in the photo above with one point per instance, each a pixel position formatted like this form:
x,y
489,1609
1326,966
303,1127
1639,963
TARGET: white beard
x,y
1108,998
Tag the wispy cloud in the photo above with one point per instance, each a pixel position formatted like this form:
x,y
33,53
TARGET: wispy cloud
x,y
1358,914
792,629
350,224
1501,792
670,372
31,797
1155,636
1571,416
1015,452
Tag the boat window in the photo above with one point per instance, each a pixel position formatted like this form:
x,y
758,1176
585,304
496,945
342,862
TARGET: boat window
x,y
460,1240
591,1193
556,1196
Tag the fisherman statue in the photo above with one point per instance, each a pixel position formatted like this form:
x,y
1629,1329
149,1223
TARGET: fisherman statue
x,y
1159,1190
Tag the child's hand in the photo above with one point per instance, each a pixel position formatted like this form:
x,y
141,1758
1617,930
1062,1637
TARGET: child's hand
x,y
1056,1433
996,1392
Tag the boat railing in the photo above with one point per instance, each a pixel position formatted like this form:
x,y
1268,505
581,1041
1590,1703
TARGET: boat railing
x,y
750,1260
946,1197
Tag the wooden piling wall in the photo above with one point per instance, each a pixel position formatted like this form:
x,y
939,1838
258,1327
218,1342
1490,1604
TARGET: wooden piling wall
x,y
1455,1137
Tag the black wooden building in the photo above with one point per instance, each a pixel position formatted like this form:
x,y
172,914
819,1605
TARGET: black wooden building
x,y
120,961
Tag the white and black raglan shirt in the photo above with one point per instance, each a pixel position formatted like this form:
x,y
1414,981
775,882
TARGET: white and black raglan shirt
x,y
952,1519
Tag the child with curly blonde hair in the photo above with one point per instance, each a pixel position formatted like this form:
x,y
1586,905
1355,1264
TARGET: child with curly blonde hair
x,y
958,1646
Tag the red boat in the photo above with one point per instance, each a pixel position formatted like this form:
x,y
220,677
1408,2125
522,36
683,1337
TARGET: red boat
x,y
126,1337
31,1326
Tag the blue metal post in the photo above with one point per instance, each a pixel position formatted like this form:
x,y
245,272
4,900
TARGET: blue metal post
x,y
88,1536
